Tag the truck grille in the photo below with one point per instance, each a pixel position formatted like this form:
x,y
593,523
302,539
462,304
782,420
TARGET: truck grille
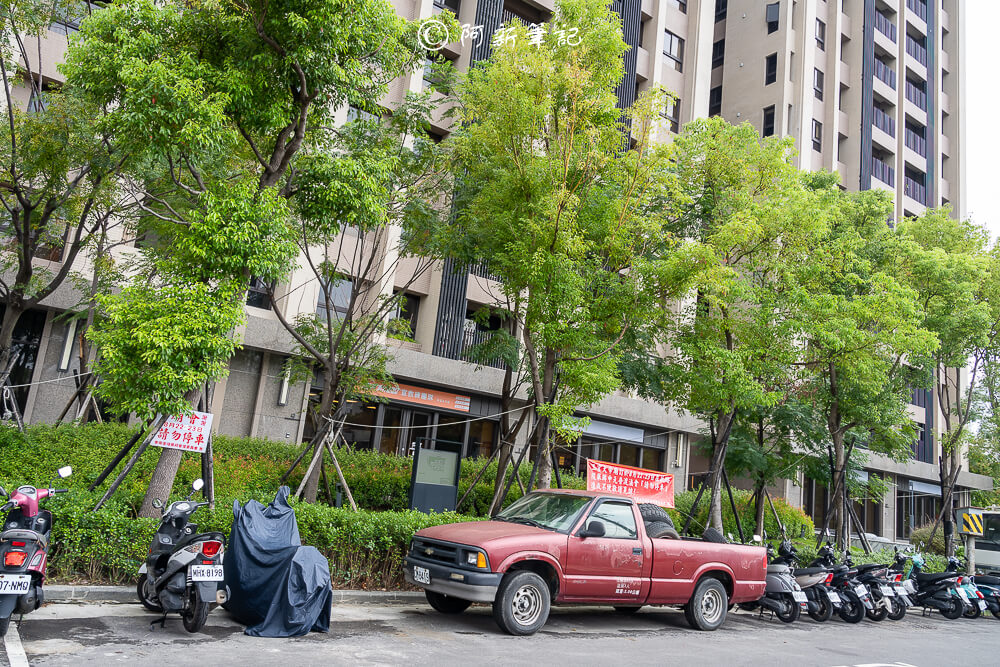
x,y
432,550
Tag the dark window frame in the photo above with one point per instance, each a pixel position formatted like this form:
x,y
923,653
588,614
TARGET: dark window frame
x,y
767,128
770,68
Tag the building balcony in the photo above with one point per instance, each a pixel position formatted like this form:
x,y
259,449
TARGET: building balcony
x,y
642,64
916,50
915,190
884,122
944,60
944,144
885,26
885,74
945,188
919,8
915,142
944,20
471,337
916,95
945,102
883,172
845,74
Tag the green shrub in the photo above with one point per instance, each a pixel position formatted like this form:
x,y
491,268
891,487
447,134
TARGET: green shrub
x,y
921,539
796,522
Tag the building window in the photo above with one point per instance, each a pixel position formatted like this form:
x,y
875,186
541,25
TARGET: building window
x,y
768,127
771,14
673,48
682,6
818,84
258,293
405,314
820,35
335,295
452,5
715,101
672,112
355,113
718,53
817,135
771,69
721,8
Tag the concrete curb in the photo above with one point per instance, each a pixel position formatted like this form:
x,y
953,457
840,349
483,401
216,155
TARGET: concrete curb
x,y
63,594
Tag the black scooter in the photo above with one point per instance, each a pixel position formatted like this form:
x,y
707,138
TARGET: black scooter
x,y
935,590
181,575
855,597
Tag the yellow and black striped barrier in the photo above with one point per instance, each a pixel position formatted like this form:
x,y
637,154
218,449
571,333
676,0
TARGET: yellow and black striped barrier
x,y
972,523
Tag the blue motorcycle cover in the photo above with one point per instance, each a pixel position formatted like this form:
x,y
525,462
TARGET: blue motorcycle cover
x,y
276,586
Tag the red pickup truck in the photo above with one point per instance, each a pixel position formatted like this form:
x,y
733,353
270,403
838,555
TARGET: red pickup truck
x,y
580,547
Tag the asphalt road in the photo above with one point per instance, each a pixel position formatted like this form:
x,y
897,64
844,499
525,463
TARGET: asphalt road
x,y
106,634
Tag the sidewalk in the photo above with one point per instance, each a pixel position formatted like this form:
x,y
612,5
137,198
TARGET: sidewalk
x,y
61,594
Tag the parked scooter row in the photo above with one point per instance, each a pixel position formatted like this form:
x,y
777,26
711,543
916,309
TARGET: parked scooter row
x,y
181,574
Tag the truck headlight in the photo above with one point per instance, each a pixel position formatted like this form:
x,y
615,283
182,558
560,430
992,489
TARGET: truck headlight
x,y
476,559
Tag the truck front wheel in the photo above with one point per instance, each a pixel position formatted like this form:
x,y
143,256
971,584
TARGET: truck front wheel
x,y
522,603
446,604
708,606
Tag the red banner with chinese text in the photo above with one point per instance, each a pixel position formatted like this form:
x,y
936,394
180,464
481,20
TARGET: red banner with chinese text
x,y
645,486
188,433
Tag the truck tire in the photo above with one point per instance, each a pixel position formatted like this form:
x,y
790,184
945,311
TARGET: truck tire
x,y
446,604
708,606
661,529
651,513
522,603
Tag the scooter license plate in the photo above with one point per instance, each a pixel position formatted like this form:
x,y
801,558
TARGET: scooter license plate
x,y
962,594
982,605
14,584
900,591
799,596
206,573
421,575
910,586
886,591
833,596
861,590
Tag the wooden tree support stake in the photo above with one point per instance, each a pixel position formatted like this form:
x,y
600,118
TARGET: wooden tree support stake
x,y
340,474
114,462
150,434
475,480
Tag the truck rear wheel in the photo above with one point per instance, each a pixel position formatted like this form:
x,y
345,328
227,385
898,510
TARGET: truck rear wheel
x,y
446,604
708,606
522,603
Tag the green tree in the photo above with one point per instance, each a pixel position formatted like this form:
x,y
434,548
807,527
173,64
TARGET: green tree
x,y
561,206
219,103
862,331
732,346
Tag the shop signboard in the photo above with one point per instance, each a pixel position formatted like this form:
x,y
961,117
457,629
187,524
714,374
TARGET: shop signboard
x,y
645,486
421,396
189,433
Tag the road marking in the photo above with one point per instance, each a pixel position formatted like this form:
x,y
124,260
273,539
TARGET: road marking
x,y
15,652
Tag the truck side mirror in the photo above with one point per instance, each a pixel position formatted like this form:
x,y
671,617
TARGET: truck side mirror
x,y
592,529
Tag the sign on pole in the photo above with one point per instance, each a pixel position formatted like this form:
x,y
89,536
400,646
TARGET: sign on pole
x,y
189,433
970,521
645,486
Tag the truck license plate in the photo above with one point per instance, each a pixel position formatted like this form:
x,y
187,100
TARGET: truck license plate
x,y
799,596
886,591
14,584
421,575
206,573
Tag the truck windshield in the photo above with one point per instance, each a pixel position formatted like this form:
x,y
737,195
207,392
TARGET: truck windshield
x,y
552,511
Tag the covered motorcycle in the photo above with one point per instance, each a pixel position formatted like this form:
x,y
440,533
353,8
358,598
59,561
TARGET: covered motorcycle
x,y
276,586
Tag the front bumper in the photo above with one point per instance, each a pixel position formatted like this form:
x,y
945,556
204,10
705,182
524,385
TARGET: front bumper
x,y
473,586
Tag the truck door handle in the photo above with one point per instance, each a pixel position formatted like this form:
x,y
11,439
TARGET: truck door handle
x,y
637,551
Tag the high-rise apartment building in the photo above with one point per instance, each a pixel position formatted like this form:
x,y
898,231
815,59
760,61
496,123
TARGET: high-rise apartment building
x,y
871,89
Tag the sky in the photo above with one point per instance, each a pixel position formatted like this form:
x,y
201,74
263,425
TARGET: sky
x,y
982,108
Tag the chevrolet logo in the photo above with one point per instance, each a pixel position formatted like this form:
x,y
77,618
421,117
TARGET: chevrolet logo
x,y
429,551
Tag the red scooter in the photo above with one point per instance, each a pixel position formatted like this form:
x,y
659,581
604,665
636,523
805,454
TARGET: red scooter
x,y
24,546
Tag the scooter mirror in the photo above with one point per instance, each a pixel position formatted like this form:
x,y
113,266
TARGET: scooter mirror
x,y
730,536
756,538
157,503
197,484
65,471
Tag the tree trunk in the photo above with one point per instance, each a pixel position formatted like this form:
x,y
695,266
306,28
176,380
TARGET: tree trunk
x,y
720,440
166,470
325,409
758,499
11,316
838,487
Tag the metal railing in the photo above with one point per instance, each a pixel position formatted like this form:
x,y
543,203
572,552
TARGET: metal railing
x,y
885,73
884,122
915,190
917,50
883,172
916,95
919,7
915,142
885,25
472,337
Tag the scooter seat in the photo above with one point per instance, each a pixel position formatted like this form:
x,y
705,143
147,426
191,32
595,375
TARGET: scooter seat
x,y
808,571
777,568
24,534
930,577
987,579
867,567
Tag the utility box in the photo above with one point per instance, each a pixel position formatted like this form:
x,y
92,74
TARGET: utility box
x,y
436,467
969,521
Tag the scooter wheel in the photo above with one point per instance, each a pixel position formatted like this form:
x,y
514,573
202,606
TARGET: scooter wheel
x,y
791,612
4,624
825,612
972,612
954,611
898,610
140,591
853,609
194,617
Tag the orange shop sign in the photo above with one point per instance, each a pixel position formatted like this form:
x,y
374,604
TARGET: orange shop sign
x,y
645,486
420,396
